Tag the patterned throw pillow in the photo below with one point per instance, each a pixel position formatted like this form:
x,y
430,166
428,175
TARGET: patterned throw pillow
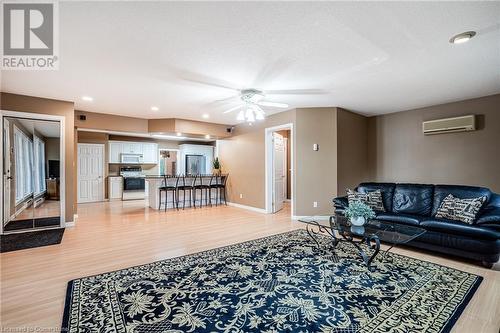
x,y
463,210
372,199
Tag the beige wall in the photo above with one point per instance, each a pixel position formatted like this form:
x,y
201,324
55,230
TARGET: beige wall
x,y
109,122
315,171
352,150
243,157
52,149
21,103
399,152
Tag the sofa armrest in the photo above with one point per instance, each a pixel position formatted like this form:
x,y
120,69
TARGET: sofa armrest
x,y
490,216
341,202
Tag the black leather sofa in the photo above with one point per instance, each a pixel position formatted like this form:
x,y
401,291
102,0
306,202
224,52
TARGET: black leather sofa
x,y
417,204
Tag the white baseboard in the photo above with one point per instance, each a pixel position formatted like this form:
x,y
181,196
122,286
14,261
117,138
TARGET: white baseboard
x,y
316,217
253,209
75,217
70,224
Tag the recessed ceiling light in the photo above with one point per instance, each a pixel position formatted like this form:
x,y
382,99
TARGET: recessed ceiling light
x,y
463,37
87,98
207,136
154,108
205,116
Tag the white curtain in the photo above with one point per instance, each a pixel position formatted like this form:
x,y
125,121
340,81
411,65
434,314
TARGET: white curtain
x,y
30,165
39,166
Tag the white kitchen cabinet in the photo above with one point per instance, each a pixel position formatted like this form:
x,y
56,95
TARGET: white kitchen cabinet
x,y
131,148
115,150
115,187
150,153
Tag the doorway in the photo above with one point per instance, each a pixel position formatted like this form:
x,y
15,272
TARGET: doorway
x,y
279,168
168,161
90,172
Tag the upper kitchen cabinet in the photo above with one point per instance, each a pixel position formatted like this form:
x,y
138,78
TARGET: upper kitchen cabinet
x,y
148,150
131,148
150,153
115,150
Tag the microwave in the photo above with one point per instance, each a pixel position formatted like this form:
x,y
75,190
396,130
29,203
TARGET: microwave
x,y
131,158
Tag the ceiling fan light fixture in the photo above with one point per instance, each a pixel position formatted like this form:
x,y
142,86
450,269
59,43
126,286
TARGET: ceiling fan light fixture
x,y
241,116
250,115
463,37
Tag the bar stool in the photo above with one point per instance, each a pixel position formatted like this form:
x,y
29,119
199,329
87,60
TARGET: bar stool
x,y
169,184
219,185
186,183
203,184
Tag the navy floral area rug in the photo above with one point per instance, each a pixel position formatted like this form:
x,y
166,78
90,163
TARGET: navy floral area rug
x,y
281,283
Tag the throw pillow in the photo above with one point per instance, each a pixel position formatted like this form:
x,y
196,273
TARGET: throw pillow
x,y
372,199
463,210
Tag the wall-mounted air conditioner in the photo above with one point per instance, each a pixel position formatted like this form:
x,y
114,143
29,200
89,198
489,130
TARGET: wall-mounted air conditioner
x,y
448,125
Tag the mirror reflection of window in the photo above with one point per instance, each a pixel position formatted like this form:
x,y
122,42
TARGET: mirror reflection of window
x,y
30,195
167,162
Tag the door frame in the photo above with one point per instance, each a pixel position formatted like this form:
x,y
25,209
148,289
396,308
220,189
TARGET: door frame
x,y
177,157
103,189
62,152
269,158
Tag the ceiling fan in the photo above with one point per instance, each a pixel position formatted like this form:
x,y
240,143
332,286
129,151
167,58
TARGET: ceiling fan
x,y
252,100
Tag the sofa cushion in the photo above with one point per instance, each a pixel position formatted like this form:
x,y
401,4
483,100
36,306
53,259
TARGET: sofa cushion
x,y
463,210
407,219
372,199
340,202
459,228
413,199
491,212
458,191
387,190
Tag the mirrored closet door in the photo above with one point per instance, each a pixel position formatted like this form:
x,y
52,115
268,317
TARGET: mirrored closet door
x,y
31,174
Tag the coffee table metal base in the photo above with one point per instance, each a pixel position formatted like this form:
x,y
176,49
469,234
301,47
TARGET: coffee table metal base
x,y
372,241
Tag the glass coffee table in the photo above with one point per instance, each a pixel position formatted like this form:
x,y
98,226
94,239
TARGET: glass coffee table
x,y
372,233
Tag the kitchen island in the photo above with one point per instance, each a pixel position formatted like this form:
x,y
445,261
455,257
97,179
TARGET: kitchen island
x,y
157,181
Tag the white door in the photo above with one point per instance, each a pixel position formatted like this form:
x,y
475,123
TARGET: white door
x,y
278,172
7,174
90,172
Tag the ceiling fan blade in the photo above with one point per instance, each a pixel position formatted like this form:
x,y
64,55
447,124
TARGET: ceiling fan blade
x,y
199,78
271,71
273,104
227,99
233,109
297,92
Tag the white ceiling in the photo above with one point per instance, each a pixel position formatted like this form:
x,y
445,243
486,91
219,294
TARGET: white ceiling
x,y
49,129
368,57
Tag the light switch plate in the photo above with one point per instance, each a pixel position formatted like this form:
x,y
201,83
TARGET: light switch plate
x,y
315,147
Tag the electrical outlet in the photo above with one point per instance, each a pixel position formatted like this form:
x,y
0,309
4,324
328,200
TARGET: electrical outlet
x,y
315,204
241,195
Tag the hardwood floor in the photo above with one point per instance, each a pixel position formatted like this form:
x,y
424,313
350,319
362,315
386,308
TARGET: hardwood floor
x,y
115,235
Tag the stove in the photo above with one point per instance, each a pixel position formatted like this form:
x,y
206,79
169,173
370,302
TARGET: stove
x,y
134,183
134,172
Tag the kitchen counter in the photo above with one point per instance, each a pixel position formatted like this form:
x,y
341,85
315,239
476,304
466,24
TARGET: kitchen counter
x,y
154,182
